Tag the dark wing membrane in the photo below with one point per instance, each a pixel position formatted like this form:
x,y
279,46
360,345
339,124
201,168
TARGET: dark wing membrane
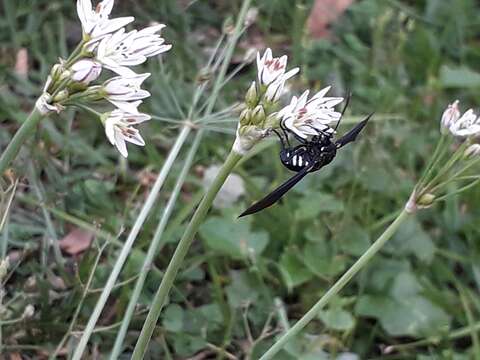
x,y
352,134
276,194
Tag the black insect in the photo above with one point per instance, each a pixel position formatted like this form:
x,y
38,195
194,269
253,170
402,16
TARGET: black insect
x,y
309,156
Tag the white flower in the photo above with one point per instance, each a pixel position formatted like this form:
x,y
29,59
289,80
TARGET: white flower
x,y
307,117
271,69
86,70
472,151
124,91
95,22
467,125
119,129
120,50
450,115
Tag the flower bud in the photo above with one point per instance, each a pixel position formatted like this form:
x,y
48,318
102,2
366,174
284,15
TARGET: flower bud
x,y
258,115
86,71
245,117
472,151
57,69
62,95
426,200
449,117
251,98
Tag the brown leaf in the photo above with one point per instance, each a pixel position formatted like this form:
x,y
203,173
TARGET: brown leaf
x,y
76,241
21,63
324,13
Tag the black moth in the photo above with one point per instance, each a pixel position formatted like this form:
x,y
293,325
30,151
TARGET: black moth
x,y
310,156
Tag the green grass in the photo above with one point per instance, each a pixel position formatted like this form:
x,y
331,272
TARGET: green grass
x,y
405,60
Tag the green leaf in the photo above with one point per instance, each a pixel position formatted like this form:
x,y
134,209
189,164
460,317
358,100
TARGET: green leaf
x,y
337,319
459,77
234,239
321,262
353,239
293,271
173,318
312,205
242,289
412,239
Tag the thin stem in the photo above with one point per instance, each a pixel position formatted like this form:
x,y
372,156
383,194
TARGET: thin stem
x,y
456,334
435,159
129,243
337,287
180,253
444,170
153,248
22,134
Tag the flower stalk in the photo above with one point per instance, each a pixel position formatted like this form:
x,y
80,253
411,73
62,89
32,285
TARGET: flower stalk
x,y
25,131
338,286
180,253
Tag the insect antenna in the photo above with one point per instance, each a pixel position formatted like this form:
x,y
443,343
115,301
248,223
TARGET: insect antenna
x,y
348,97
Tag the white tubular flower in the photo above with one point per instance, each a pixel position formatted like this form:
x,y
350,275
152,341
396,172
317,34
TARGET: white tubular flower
x,y
124,91
450,116
95,22
86,70
119,129
271,69
120,50
307,117
467,125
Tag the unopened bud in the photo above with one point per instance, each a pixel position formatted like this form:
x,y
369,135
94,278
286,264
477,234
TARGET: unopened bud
x,y
57,69
66,74
449,117
258,115
426,200
472,151
62,95
251,98
245,117
86,71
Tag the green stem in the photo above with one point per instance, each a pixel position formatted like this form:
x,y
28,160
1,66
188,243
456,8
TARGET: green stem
x,y
179,255
153,249
337,287
22,134
125,251
456,334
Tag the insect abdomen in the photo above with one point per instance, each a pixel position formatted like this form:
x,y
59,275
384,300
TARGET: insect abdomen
x,y
293,160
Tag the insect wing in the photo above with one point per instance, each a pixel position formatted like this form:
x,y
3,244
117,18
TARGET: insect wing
x,y
276,194
352,134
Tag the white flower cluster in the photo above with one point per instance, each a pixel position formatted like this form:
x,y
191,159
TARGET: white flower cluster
x,y
463,126
106,45
303,116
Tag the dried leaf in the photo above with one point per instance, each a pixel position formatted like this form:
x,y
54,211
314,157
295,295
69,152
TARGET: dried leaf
x,y
324,13
76,241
